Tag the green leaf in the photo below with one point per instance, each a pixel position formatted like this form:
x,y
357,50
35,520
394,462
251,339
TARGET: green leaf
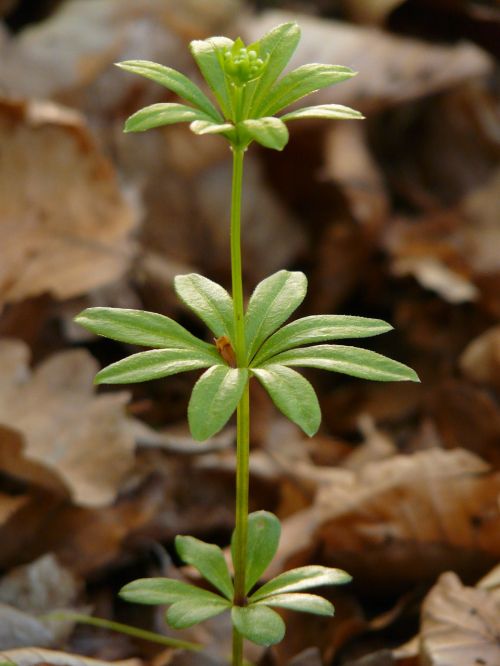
x,y
186,613
160,591
174,81
277,46
292,394
301,82
319,328
202,127
350,361
208,56
301,578
259,624
139,328
272,302
209,301
155,364
264,532
306,603
327,111
208,559
161,114
269,132
214,398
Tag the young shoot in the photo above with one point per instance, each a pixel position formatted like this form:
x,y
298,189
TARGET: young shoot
x,y
251,96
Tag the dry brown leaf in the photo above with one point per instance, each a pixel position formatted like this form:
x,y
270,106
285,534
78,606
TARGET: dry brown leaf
x,y
35,656
467,416
480,360
400,520
391,69
65,224
82,439
85,37
460,625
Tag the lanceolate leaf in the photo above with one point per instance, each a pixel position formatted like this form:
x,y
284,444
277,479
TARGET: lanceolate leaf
x,y
139,328
269,132
301,578
161,114
348,360
208,559
202,127
209,301
162,591
319,328
278,46
272,302
306,603
327,111
156,363
174,81
301,82
292,394
208,56
259,624
215,397
264,531
186,613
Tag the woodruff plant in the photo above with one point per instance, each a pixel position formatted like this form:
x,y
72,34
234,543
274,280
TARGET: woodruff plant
x,y
246,83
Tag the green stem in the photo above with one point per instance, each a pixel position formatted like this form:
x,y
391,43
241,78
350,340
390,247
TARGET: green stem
x,y
236,273
243,412
125,629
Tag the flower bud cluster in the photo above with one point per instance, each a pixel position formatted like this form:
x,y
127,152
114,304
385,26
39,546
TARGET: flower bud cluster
x,y
242,65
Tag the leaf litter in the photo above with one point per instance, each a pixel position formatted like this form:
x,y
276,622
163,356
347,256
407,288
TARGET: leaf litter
x,y
397,218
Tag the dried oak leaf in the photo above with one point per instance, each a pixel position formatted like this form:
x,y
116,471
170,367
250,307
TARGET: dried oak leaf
x,y
401,520
82,440
65,223
460,625
391,69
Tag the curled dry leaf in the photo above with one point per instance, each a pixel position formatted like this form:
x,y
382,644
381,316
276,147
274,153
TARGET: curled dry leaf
x,y
391,69
36,657
80,439
459,625
65,224
401,520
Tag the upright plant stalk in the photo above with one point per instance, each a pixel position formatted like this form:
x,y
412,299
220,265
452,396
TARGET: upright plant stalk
x,y
250,88
243,411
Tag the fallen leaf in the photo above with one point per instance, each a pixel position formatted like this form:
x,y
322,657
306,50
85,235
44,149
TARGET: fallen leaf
x,y
459,625
65,223
480,360
398,521
466,416
82,439
391,69
83,38
18,629
36,657
39,587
